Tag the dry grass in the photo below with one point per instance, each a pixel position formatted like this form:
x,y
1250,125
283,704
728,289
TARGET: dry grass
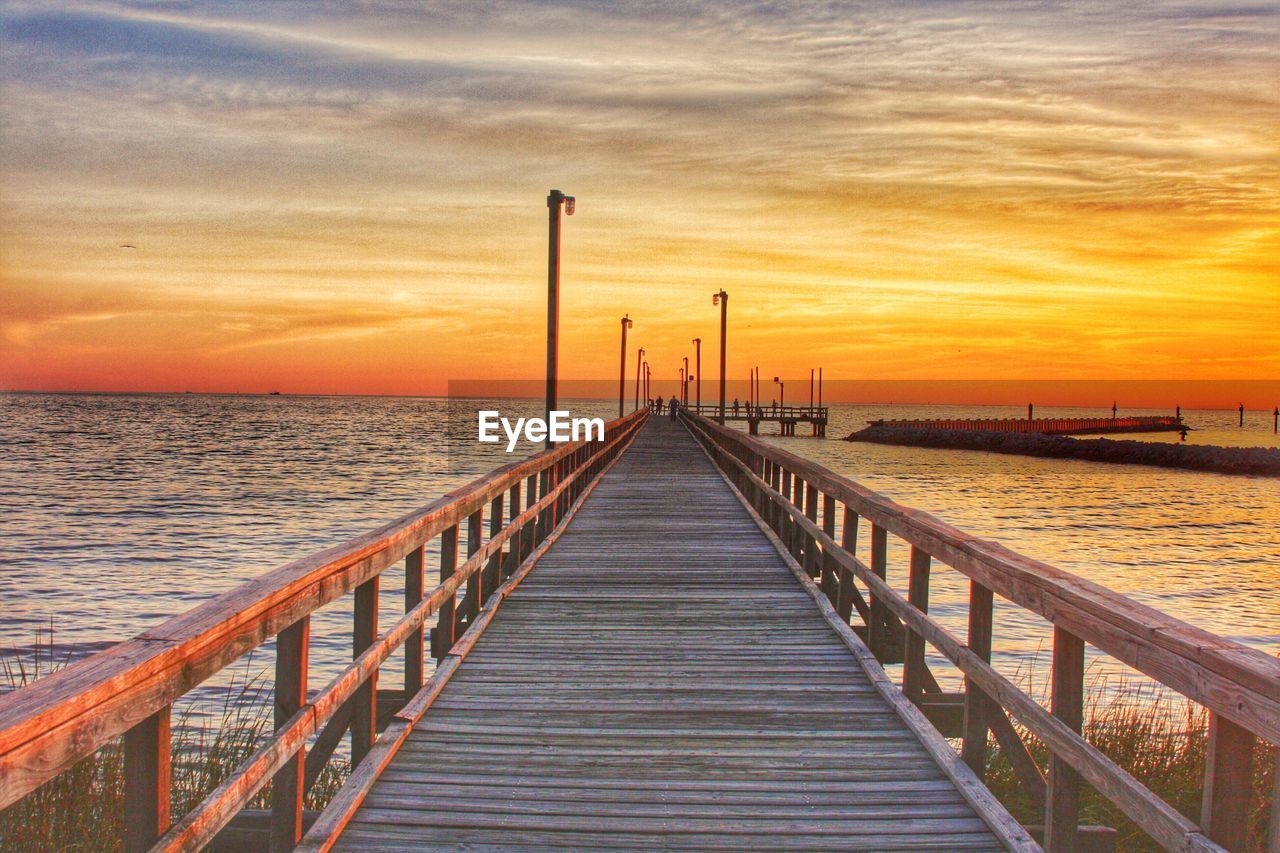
x,y
82,809
1157,737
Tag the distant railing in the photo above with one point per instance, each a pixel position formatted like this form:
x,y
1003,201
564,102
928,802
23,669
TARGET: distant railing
x,y
744,411
1044,426
130,688
1239,686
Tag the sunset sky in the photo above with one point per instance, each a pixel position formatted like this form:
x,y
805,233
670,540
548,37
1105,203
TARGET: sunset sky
x,y
340,197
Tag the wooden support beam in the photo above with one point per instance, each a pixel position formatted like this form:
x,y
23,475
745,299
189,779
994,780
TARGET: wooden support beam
x,y
913,669
364,704
1062,805
414,589
146,781
288,786
1228,783
1015,752
976,723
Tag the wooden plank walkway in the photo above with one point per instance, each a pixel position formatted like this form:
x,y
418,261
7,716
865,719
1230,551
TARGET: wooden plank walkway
x,y
662,679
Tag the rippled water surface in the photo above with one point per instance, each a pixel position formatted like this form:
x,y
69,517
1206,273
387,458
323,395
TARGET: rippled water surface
x,y
119,511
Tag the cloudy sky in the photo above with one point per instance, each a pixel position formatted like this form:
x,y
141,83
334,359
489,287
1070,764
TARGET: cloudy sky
x,y
350,197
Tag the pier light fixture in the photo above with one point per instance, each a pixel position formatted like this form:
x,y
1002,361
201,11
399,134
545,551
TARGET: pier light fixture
x,y
555,201
622,366
782,392
684,385
722,299
639,368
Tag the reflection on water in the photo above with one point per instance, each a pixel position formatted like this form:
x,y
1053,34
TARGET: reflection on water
x,y
120,511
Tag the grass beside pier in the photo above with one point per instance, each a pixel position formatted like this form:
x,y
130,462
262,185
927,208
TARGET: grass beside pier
x,y
82,809
1158,738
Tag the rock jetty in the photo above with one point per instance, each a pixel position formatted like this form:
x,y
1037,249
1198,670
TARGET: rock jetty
x,y
1257,461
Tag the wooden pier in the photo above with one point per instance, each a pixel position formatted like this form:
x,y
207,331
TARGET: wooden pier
x,y
786,417
671,637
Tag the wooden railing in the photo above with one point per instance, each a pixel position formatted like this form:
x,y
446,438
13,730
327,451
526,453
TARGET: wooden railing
x,y
129,689
1239,686
711,410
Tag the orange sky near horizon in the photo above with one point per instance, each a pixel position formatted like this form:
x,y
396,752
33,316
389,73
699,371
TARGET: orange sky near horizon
x,y
336,202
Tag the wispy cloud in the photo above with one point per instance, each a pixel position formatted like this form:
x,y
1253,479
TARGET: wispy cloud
x,y
305,175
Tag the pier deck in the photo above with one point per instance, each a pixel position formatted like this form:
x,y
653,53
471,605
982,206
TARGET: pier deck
x,y
663,679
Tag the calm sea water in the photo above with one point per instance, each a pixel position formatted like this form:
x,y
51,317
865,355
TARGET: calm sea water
x,y
118,511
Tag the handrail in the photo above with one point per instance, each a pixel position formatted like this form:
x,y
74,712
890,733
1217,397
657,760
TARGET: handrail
x,y
1239,686
129,688
756,411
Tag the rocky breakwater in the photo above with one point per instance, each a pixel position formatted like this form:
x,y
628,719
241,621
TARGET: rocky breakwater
x,y
1258,461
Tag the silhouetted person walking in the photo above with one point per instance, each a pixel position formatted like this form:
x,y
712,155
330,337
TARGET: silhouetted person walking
x,y
735,407
672,407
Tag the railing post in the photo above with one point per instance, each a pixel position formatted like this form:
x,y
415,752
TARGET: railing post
x,y
514,555
364,709
146,781
848,541
877,631
293,646
493,571
828,564
797,532
808,542
544,515
1062,800
530,537
475,583
784,518
446,621
1228,783
974,749
414,589
913,677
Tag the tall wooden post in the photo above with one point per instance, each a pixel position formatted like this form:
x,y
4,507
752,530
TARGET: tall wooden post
x,y
974,749
493,570
697,376
639,367
1228,783
622,365
913,666
289,784
722,299
414,588
877,630
446,620
146,781
364,708
1062,806
554,202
